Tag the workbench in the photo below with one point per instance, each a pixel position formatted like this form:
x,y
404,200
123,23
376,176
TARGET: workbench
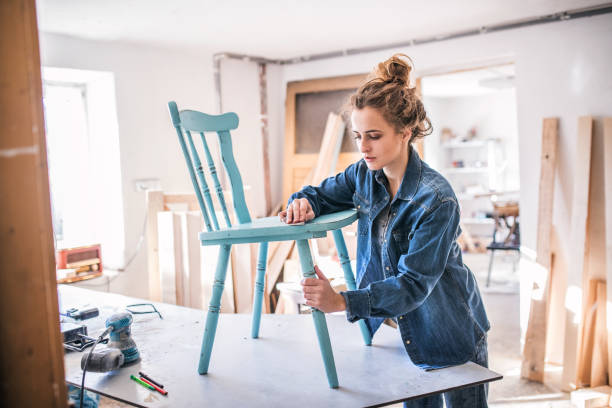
x,y
283,367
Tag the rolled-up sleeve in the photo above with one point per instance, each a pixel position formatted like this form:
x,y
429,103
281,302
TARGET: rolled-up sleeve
x,y
419,269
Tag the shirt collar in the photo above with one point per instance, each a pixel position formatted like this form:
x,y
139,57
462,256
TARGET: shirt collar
x,y
412,177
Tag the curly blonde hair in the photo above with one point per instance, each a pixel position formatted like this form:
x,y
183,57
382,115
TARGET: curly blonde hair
x,y
388,90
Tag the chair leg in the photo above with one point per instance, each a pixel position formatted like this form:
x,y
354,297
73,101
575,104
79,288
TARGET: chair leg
x,y
490,267
319,318
350,278
213,309
259,288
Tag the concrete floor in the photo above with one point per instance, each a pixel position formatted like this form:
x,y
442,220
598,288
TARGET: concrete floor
x,y
502,304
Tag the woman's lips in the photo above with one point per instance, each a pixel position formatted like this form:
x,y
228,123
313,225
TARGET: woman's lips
x,y
369,159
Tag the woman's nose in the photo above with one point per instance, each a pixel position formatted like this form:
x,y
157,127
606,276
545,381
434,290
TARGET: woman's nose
x,y
364,147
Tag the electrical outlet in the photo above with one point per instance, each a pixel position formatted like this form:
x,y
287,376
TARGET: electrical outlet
x,y
147,184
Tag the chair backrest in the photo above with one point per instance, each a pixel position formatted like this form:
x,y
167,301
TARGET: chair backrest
x,y
188,121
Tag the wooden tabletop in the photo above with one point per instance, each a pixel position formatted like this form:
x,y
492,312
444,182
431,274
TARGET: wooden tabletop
x,y
281,368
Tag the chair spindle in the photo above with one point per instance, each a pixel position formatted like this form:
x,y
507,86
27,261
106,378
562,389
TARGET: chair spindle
x,y
203,183
213,173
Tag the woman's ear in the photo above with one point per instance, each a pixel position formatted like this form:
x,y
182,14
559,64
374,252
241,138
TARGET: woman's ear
x,y
406,134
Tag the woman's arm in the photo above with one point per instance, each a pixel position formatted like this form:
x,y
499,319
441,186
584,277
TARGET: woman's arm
x,y
333,194
419,269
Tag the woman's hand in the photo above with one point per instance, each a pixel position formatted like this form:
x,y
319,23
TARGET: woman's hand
x,y
319,294
299,210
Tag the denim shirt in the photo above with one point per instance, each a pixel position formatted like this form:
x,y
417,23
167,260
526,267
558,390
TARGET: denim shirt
x,y
416,274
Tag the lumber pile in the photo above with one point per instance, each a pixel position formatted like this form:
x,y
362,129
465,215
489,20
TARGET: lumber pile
x,y
573,305
180,270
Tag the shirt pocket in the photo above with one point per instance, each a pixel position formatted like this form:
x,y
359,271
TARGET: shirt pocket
x,y
362,205
402,240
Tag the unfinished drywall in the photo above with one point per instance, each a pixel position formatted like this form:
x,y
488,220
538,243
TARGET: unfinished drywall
x,y
146,79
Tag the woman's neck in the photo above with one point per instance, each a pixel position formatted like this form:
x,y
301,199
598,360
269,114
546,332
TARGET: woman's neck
x,y
395,172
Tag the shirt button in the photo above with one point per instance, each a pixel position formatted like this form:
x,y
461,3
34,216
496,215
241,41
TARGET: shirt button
x,y
358,207
407,341
387,268
401,317
394,213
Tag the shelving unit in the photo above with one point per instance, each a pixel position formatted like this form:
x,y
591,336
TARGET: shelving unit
x,y
471,168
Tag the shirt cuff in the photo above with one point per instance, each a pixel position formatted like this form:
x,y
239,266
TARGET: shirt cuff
x,y
357,304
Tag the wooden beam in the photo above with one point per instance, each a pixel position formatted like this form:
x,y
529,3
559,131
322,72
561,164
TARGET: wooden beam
x,y
608,211
580,210
534,351
155,204
587,337
31,356
263,109
599,363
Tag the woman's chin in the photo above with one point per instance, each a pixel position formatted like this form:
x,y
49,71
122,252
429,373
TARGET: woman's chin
x,y
372,165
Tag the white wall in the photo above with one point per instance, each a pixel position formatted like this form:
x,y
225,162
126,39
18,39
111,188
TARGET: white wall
x,y
146,79
240,94
562,70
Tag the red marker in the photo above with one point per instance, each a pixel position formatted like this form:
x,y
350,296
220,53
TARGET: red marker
x,y
161,391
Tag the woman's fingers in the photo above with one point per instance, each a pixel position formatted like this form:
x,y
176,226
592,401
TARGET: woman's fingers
x,y
299,210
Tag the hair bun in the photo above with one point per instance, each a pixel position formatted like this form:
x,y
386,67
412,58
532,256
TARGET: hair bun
x,y
395,69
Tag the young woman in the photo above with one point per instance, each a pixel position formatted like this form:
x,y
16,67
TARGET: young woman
x,y
409,265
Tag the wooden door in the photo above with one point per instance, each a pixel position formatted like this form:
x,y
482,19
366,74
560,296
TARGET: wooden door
x,y
307,107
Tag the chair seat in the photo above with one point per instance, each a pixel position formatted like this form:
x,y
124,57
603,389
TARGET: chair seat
x,y
273,229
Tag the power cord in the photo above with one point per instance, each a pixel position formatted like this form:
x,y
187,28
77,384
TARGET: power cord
x,y
136,251
99,339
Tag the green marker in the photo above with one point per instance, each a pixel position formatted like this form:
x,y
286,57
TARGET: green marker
x,y
139,381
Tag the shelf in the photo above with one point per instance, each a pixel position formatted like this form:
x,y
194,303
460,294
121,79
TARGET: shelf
x,y
477,221
466,196
464,170
459,145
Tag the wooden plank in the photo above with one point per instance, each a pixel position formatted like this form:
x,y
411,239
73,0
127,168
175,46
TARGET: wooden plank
x,y
587,336
191,225
599,363
580,206
170,257
330,148
275,266
556,310
263,109
242,269
534,351
591,397
31,356
188,200
608,216
155,204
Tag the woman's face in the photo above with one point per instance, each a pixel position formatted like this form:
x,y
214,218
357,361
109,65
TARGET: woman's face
x,y
379,143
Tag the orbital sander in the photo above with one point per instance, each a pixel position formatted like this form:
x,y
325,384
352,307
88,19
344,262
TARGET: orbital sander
x,y
121,350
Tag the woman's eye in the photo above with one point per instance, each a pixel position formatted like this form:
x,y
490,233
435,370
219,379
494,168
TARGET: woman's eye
x,y
357,137
374,137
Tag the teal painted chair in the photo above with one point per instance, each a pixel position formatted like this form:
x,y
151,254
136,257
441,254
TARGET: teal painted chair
x,y
259,231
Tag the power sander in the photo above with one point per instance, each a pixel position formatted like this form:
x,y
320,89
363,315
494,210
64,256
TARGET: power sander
x,y
121,350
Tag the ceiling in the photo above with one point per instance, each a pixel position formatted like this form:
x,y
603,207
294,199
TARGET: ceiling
x,y
469,83
281,28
